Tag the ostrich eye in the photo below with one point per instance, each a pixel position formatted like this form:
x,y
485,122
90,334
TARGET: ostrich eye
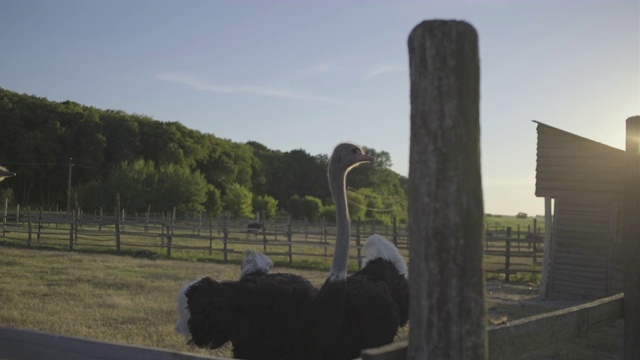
x,y
355,150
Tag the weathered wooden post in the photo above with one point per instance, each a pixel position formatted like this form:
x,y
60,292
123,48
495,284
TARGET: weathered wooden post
x,y
146,219
358,246
117,225
172,224
100,220
447,310
225,238
210,235
290,239
29,230
4,218
507,255
39,225
395,231
73,215
631,243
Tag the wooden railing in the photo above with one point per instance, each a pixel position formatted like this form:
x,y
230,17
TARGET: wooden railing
x,y
532,333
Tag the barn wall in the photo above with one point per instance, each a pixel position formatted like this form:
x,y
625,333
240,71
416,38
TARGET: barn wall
x,y
586,179
586,249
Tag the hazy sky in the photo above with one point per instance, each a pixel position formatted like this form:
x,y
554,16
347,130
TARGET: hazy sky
x,y
310,74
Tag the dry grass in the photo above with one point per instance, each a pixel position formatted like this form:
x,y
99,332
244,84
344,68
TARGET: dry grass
x,y
132,301
105,297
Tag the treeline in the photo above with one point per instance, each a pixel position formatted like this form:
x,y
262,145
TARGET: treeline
x,y
165,165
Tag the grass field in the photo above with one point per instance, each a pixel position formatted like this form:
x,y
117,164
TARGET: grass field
x,y
132,301
111,298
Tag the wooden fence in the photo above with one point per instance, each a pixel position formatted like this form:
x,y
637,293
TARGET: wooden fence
x,y
508,251
523,336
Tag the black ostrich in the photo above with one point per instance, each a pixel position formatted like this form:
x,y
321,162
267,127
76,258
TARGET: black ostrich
x,y
365,309
282,316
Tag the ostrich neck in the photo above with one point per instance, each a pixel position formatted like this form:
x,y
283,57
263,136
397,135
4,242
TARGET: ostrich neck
x,y
343,227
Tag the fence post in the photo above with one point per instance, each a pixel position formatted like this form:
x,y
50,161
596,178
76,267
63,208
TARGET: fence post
x,y
29,226
4,219
76,221
535,241
100,220
146,219
210,235
264,236
358,250
172,224
225,232
507,255
445,194
17,214
72,214
39,225
324,236
395,231
631,241
289,239
117,216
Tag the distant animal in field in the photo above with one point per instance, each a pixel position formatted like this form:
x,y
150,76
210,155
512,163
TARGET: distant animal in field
x,y
282,316
255,229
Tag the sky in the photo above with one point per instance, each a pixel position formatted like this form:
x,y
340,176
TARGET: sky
x,y
308,75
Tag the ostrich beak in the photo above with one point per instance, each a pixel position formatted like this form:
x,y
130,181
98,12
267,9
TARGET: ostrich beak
x,y
364,157
5,173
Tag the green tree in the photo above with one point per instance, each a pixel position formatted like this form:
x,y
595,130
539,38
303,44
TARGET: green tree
x,y
6,194
178,187
213,205
136,183
328,213
357,205
238,201
311,207
91,195
266,205
294,207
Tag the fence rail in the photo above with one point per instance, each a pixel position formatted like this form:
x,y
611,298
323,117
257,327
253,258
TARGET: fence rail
x,y
525,335
294,243
505,341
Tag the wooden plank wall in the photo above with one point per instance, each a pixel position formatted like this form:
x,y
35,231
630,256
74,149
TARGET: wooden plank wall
x,y
586,179
586,250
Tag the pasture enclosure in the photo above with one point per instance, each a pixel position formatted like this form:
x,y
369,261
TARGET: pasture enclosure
x,y
447,313
509,252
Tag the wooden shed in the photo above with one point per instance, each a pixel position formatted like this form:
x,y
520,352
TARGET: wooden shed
x,y
582,182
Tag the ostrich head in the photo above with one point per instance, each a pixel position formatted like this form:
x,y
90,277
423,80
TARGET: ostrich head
x,y
346,156
4,173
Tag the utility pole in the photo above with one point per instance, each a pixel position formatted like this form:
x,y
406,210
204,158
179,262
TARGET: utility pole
x,y
69,186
